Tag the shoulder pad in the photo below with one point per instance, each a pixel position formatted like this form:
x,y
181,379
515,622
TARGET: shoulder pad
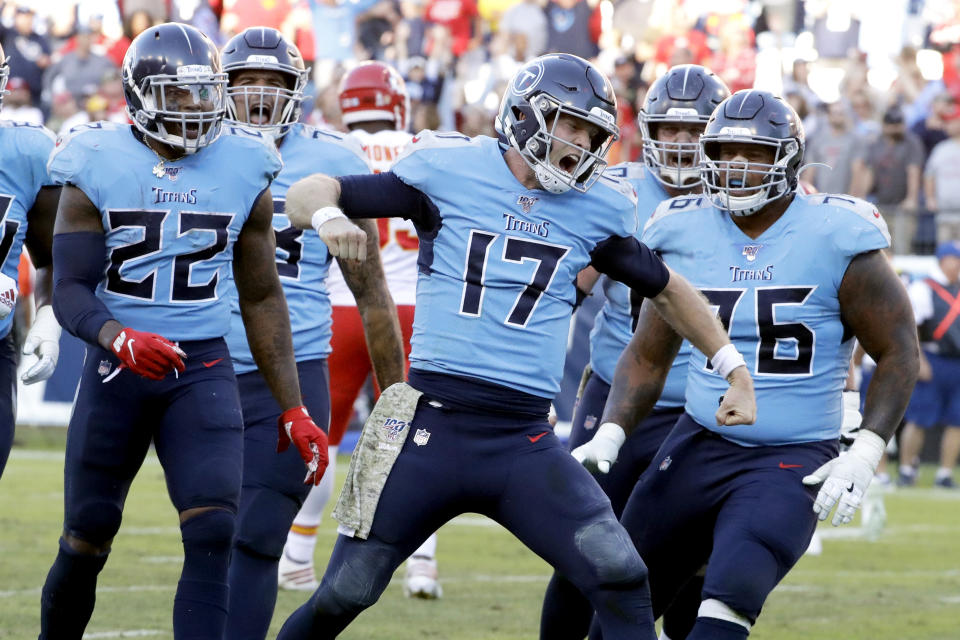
x,y
428,139
680,204
334,137
81,130
627,170
865,210
619,185
28,126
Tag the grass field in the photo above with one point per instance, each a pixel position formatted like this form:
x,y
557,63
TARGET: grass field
x,y
906,586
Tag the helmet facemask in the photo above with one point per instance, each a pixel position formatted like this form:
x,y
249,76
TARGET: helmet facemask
x,y
580,167
185,110
673,164
270,109
4,76
721,178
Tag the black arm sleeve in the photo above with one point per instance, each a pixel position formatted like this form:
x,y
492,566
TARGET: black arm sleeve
x,y
631,262
384,195
77,270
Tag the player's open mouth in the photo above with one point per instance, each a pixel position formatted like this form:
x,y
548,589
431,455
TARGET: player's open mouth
x,y
569,162
260,114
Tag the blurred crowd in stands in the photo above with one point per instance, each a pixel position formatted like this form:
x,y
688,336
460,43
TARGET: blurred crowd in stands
x,y
877,82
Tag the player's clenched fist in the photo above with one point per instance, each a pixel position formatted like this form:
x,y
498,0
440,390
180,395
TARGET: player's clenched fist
x,y
147,354
296,425
343,238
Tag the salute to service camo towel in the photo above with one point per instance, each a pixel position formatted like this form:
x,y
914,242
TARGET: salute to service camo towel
x,y
380,443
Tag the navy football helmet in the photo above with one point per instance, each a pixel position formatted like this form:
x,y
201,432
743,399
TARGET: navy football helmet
x,y
757,118
173,86
540,92
269,109
684,94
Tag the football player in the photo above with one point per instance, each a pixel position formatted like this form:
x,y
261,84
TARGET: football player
x,y
675,110
167,204
504,227
28,206
375,107
794,277
266,77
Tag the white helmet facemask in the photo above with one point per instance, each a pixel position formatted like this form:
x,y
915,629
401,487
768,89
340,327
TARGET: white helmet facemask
x,y
721,178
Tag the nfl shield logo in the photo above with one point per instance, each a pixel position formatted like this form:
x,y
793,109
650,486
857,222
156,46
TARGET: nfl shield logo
x,y
104,367
421,437
750,251
526,202
393,428
589,422
666,463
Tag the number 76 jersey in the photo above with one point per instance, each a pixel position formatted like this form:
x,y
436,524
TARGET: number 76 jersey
x,y
777,295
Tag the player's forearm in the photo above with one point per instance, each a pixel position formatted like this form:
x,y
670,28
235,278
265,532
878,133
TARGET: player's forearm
x,y
686,310
43,289
384,341
78,268
267,323
637,384
891,386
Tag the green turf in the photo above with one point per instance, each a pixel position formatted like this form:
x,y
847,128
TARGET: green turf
x,y
904,586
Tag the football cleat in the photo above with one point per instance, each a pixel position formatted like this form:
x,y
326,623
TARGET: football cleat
x,y
421,579
296,576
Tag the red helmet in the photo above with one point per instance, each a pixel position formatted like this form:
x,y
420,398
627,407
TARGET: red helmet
x,y
374,91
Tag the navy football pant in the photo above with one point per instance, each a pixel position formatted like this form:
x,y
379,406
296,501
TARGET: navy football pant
x,y
510,468
566,613
273,491
194,422
742,511
8,397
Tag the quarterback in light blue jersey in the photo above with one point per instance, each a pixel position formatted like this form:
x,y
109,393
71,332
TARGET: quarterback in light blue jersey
x,y
675,111
266,79
504,227
151,218
28,205
794,278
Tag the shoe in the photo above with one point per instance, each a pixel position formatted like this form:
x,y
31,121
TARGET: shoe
x,y
296,576
906,479
421,579
946,482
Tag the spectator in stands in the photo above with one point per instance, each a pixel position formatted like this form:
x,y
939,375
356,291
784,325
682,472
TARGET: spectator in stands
x,y
866,123
942,182
932,130
573,26
241,14
936,398
889,176
524,25
334,36
18,106
27,51
462,21
80,71
835,145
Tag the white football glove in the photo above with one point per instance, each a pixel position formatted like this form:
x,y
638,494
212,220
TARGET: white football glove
x,y
846,478
601,452
8,295
43,340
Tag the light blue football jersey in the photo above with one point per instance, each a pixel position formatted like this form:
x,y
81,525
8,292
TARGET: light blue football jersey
x,y
302,257
26,148
495,291
617,319
170,227
778,296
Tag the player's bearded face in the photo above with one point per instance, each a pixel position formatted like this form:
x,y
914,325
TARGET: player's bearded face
x,y
191,100
679,146
744,166
575,131
259,96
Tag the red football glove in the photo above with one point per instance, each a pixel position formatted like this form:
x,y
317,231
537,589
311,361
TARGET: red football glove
x,y
297,426
147,354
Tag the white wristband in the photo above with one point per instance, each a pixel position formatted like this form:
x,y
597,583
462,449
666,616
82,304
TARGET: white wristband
x,y
726,359
612,432
324,215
